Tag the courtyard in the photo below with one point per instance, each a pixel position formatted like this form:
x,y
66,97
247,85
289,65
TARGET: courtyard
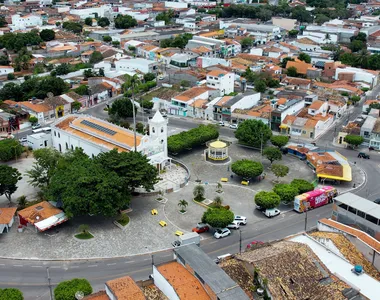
x,y
143,234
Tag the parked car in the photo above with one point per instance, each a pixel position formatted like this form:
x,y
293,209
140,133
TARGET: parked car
x,y
363,155
201,227
272,212
377,201
161,77
259,208
147,111
23,140
234,126
234,225
241,219
36,126
221,123
220,233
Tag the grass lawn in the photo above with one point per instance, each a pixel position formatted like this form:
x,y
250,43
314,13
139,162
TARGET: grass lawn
x,y
123,220
84,236
213,205
199,199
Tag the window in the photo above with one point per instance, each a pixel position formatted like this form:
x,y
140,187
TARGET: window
x,y
67,146
361,214
55,133
343,206
371,219
153,130
59,135
162,129
352,210
60,147
72,147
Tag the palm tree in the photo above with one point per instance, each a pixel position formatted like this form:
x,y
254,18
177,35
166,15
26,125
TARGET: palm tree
x,y
84,228
199,192
132,82
21,201
362,58
183,203
219,187
218,201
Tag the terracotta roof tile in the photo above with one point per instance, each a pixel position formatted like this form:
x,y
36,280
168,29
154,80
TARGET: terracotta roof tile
x,y
125,288
316,104
192,93
301,66
6,214
217,73
38,212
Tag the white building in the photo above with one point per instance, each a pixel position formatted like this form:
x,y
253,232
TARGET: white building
x,y
22,22
357,75
221,80
143,65
95,136
5,70
39,140
100,11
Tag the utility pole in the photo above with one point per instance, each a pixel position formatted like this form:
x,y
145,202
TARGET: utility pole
x,y
49,283
134,113
306,209
240,241
261,146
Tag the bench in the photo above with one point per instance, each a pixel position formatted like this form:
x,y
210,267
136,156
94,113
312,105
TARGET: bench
x,y
224,179
178,233
154,212
244,182
162,223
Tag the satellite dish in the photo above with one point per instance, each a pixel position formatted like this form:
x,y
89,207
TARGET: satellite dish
x,y
79,295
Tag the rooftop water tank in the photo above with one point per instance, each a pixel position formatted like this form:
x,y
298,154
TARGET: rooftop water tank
x,y
358,269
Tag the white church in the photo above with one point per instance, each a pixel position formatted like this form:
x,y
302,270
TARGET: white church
x,y
94,136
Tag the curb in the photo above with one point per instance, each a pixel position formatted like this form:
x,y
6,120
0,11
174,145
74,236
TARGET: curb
x,y
361,185
201,204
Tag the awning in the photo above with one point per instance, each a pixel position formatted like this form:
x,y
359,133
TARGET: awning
x,y
51,222
283,126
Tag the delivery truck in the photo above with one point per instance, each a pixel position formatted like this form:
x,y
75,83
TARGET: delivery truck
x,y
188,238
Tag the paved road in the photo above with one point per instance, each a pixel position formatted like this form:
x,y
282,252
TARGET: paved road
x,y
31,276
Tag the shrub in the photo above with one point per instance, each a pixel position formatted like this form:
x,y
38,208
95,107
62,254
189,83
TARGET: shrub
x,y
287,192
10,149
279,140
267,199
66,289
11,294
302,185
218,217
199,193
247,168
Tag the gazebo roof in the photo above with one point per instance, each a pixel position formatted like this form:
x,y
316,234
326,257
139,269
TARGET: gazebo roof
x,y
218,144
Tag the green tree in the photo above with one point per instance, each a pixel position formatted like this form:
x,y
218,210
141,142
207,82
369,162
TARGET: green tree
x,y
11,91
72,26
199,192
354,140
124,22
183,204
218,217
82,90
302,185
218,201
10,149
247,168
184,83
357,45
33,120
4,60
253,133
8,181
88,21
147,104
149,76
246,42
11,76
355,99
279,170
292,72
115,43
279,140
39,68
272,154
121,108
301,14
75,106
285,61
321,18
293,33
140,128
47,35
107,39
304,57
21,203
287,192
11,294
267,200
44,167
260,86
103,22
96,57
62,69
66,290
3,22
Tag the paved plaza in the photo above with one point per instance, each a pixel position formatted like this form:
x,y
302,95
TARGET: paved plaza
x,y
144,234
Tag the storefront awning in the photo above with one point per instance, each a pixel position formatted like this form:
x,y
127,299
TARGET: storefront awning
x,y
283,126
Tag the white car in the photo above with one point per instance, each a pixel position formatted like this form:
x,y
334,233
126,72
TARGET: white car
x,y
241,220
220,233
23,140
160,77
221,123
234,126
272,212
234,225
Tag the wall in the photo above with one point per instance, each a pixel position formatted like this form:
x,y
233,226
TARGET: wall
x,y
39,141
292,109
247,102
163,285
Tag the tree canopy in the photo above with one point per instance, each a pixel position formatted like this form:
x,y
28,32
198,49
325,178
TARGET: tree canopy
x,y
66,290
304,57
180,41
247,168
267,200
280,170
253,133
166,16
124,22
260,86
103,22
279,140
178,143
121,108
96,57
10,149
47,35
354,140
287,192
11,294
72,26
107,38
17,41
292,72
8,181
218,217
272,154
88,21
302,185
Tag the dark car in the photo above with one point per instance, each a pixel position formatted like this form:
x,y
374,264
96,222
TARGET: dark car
x,y
201,228
363,155
377,201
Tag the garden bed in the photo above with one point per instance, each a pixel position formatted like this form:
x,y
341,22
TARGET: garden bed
x,y
84,236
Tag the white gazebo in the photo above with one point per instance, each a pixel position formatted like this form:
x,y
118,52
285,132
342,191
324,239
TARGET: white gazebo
x,y
217,150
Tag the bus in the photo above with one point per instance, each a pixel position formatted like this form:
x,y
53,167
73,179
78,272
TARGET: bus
x,y
315,198
40,130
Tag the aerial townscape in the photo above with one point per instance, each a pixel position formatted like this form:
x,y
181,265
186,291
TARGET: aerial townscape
x,y
189,149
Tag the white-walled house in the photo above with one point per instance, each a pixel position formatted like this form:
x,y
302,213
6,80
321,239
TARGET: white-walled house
x,y
143,65
100,11
39,140
5,70
357,75
318,107
22,22
222,80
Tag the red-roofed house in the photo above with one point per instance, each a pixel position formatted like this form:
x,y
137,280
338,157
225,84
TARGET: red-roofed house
x,y
222,80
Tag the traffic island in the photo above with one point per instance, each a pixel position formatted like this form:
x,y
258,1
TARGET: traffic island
x,y
84,236
122,222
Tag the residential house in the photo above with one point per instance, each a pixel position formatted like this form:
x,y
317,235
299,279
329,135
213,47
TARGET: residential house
x,y
367,103
374,139
147,51
317,107
72,97
260,112
352,128
23,22
273,52
7,217
306,44
336,34
283,109
297,83
213,44
340,86
5,70
198,109
86,55
367,77
367,128
300,65
336,107
222,80
133,64
39,140
182,60
37,108
122,288
42,216
180,103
